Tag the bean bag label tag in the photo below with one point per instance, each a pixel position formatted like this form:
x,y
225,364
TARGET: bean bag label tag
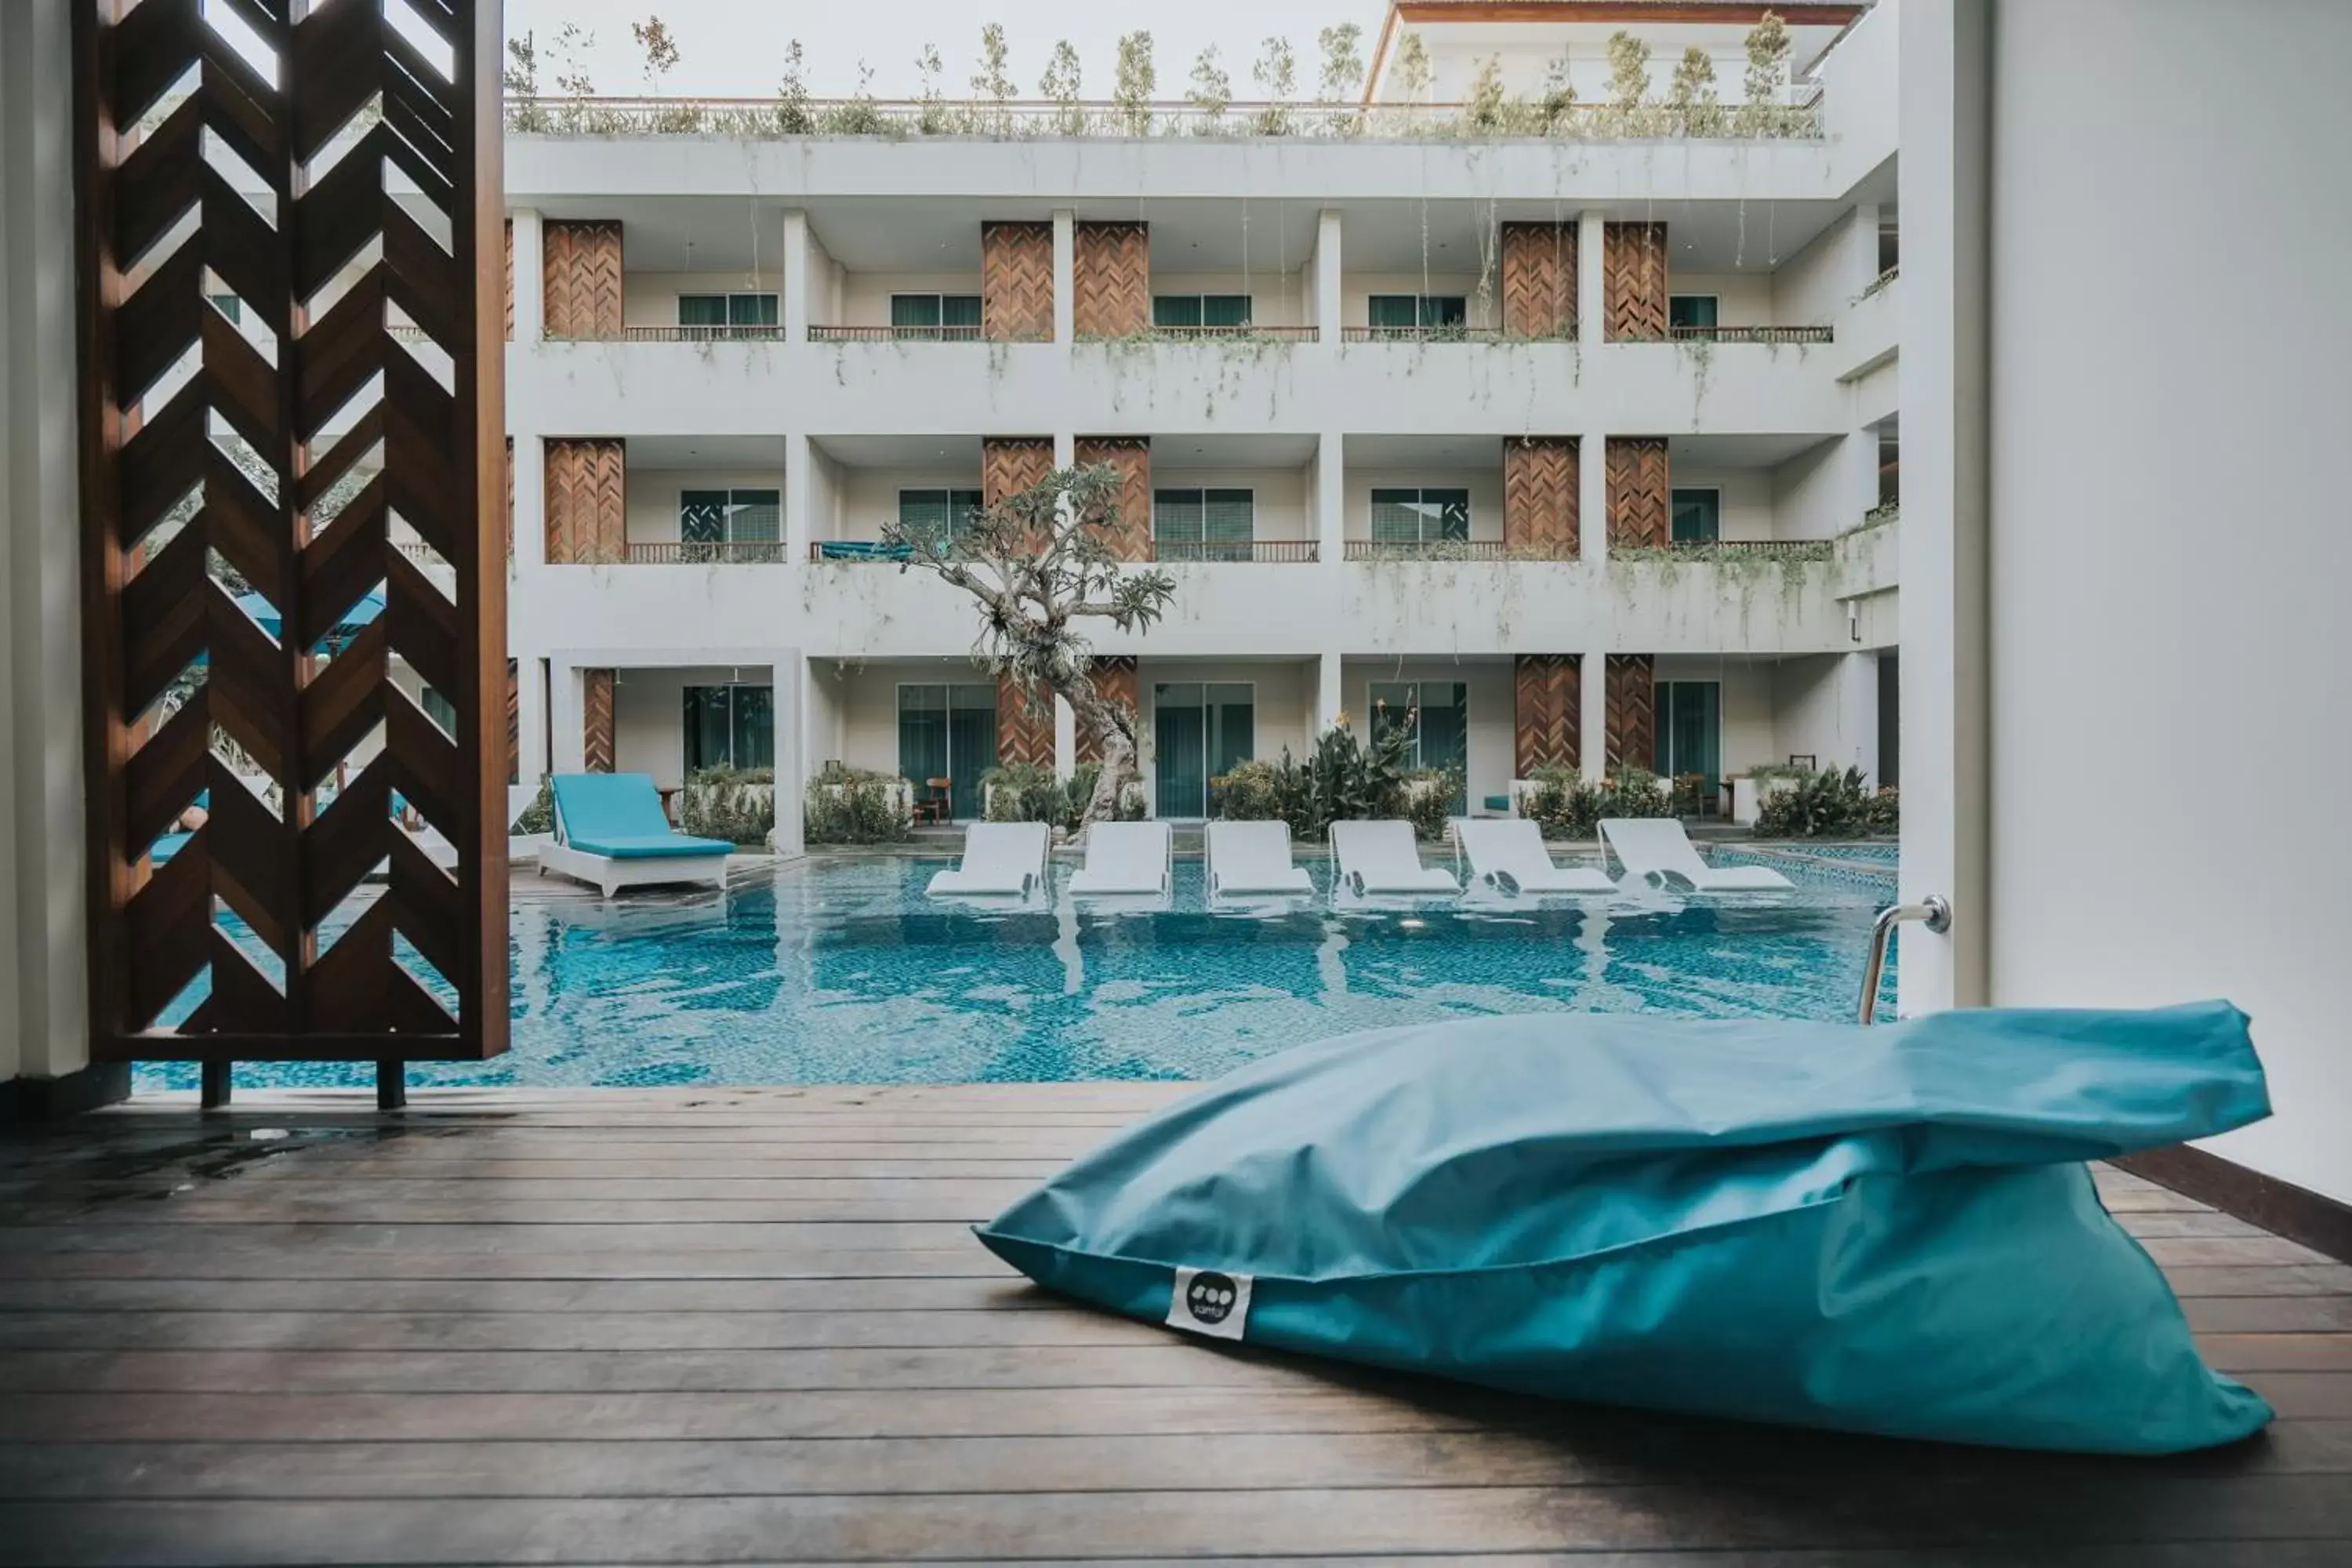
x,y
1208,1302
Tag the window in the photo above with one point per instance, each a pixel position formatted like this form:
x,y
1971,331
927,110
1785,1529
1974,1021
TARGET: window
x,y
726,309
1204,525
1690,310
935,315
1199,309
1424,313
728,517
440,710
948,732
1890,467
1435,717
1689,734
936,514
1698,515
1890,244
1198,733
229,305
1420,516
729,727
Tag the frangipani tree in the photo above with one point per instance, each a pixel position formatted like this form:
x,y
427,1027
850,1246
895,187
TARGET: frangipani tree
x,y
1040,567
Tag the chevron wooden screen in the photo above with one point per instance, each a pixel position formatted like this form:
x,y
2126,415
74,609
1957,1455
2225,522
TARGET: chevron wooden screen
x,y
509,242
1630,687
1634,280
1024,723
1111,279
244,608
1547,710
1640,504
587,500
1016,282
1114,676
596,720
581,270
1539,515
1130,538
1539,280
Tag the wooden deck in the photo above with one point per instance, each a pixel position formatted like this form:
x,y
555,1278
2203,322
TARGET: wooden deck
x,y
751,1327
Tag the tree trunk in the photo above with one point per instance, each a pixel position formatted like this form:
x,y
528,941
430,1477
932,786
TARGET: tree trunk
x,y
1112,725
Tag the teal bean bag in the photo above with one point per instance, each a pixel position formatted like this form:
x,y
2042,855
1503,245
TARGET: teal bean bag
x,y
1883,1230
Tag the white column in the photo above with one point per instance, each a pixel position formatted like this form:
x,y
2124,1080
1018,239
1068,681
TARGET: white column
x,y
1592,717
1328,286
1330,499
1589,289
1330,694
532,761
799,498
1857,714
1857,490
1946,139
1065,449
44,1002
1593,497
529,501
787,682
571,736
797,264
1065,738
1065,262
530,276
1861,260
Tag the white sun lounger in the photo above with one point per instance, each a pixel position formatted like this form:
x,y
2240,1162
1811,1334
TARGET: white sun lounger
x,y
1000,860
1657,853
1375,857
1246,857
610,831
1126,857
1508,853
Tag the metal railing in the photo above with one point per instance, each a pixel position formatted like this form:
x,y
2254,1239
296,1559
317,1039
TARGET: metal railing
x,y
1259,551
959,334
1455,334
1934,912
777,118
1235,334
1740,335
1807,549
704,552
1433,550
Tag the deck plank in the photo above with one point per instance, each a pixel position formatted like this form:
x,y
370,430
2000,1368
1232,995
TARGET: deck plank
x,y
743,1326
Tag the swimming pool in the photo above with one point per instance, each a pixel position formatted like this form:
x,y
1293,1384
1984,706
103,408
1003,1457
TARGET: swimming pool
x,y
840,970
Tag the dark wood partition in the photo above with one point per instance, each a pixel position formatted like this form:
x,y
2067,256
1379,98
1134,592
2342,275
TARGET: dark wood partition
x,y
257,446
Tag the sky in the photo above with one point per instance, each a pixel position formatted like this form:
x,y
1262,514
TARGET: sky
x,y
731,48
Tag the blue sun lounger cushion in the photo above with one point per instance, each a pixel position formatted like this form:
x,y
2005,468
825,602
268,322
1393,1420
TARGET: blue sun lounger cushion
x,y
1882,1230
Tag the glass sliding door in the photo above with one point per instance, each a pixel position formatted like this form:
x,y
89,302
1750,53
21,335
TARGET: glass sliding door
x,y
1198,733
1698,516
947,731
1690,731
1203,525
1420,516
732,726
1435,718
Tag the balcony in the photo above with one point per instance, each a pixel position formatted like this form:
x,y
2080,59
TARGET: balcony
x,y
703,552
893,335
1259,552
1436,550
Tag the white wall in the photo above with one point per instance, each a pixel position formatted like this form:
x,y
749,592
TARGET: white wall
x,y
1277,299
1284,699
2154,536
865,299
1280,494
650,298
1491,719
1746,496
652,501
1357,289
869,496
1748,736
1485,485
1741,298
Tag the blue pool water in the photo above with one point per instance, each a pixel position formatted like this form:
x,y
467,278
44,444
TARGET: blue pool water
x,y
844,972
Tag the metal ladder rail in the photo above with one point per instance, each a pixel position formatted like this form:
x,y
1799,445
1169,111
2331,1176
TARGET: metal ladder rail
x,y
1934,912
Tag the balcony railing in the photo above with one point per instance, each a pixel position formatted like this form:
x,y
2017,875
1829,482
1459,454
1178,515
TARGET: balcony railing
x,y
964,334
1740,335
1455,334
858,550
1776,549
704,552
1260,550
1435,550
1243,334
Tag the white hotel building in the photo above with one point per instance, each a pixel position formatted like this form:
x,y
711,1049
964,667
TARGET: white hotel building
x,y
1572,440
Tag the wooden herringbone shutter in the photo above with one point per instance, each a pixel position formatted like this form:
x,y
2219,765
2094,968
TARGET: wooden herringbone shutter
x,y
1631,682
1634,280
1540,496
587,500
1016,282
596,720
1024,723
271,695
1548,703
1130,538
1111,279
1538,280
582,274
1641,509
1114,678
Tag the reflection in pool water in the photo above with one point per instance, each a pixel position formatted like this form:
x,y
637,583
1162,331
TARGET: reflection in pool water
x,y
843,971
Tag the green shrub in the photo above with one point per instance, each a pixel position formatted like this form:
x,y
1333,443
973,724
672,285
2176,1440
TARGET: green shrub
x,y
1885,811
1564,805
1429,799
736,805
1027,792
1258,790
854,805
1830,804
539,816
